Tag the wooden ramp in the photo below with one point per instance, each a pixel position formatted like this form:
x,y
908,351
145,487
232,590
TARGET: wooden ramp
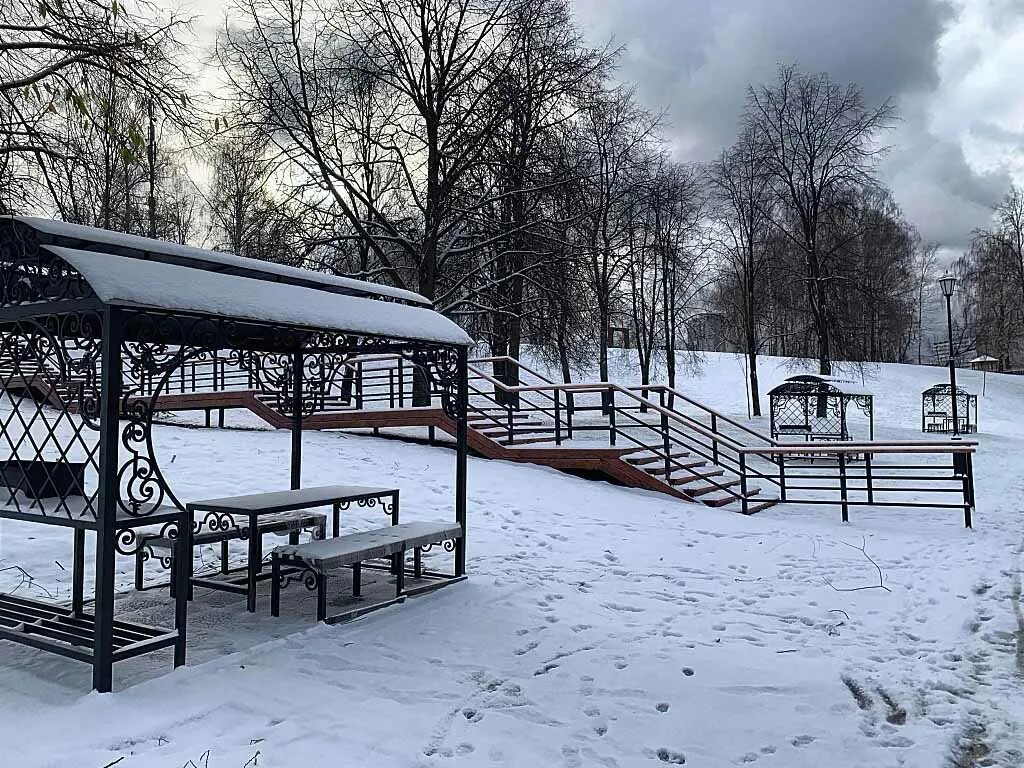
x,y
625,466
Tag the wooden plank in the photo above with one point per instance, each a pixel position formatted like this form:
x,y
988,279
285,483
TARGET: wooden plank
x,y
287,501
367,545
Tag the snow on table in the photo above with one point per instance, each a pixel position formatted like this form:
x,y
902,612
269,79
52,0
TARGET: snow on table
x,y
600,626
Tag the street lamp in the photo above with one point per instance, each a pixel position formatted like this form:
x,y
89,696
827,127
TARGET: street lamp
x,y
948,284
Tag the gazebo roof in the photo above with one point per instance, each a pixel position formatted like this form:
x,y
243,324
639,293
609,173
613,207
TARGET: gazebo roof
x,y
121,281
46,263
50,232
811,382
944,388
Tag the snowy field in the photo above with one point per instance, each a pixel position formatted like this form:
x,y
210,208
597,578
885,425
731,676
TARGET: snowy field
x,y
601,626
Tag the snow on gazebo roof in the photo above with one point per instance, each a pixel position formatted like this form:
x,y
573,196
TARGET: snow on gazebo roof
x,y
840,386
121,244
124,281
984,359
946,387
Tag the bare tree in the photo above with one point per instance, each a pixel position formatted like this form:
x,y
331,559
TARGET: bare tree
x,y
614,137
819,141
742,193
247,215
433,62
66,59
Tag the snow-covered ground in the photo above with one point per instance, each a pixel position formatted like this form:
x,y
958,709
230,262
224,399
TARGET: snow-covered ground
x,y
601,626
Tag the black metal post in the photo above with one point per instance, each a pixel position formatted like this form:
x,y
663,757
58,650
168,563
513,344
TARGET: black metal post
x,y
968,490
868,478
842,487
952,363
106,529
558,419
461,439
667,447
296,421
182,575
744,499
78,572
610,407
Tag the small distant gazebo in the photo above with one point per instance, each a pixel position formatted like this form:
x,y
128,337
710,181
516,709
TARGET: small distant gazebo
x,y
937,410
816,407
985,363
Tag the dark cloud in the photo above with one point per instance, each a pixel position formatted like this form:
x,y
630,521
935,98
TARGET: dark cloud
x,y
697,57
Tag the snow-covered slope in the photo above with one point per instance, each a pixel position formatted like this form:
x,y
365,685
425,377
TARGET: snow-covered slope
x,y
601,626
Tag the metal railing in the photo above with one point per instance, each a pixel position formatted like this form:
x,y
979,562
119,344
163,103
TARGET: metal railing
x,y
675,432
935,475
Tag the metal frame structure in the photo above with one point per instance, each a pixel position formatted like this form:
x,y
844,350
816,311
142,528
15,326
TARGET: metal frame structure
x,y
937,411
79,379
815,408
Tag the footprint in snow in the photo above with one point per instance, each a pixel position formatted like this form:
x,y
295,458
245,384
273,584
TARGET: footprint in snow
x,y
670,757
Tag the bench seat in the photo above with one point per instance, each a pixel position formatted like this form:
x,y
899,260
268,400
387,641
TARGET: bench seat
x,y
232,527
282,522
352,550
368,545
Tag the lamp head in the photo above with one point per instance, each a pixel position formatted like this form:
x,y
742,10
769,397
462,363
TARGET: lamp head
x,y
948,283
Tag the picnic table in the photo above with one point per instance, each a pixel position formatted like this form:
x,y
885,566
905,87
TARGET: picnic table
x,y
224,511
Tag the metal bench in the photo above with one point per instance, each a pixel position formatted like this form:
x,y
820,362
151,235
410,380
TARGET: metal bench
x,y
226,529
314,559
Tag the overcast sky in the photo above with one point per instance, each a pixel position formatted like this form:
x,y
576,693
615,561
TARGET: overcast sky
x,y
953,67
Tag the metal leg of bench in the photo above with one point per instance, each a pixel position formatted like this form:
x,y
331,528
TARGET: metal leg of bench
x,y
417,562
173,586
293,537
275,586
357,574
254,564
321,596
321,531
224,556
78,572
400,576
337,520
139,565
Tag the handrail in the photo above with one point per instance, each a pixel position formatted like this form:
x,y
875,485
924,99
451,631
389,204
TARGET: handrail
x,y
612,387
844,447
727,419
519,365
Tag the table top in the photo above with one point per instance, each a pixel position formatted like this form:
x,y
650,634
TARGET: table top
x,y
284,501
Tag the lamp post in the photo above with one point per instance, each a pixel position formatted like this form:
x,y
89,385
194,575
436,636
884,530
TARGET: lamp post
x,y
948,284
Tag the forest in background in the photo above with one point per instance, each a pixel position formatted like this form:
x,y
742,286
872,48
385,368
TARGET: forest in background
x,y
482,153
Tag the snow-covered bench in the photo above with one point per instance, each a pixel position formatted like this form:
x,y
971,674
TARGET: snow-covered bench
x,y
314,559
227,528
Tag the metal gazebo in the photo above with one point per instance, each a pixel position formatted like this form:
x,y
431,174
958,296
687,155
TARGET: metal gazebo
x,y
937,410
93,325
815,407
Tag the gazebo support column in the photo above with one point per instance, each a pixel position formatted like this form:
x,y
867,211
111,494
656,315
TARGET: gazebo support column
x,y
461,441
297,364
106,530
